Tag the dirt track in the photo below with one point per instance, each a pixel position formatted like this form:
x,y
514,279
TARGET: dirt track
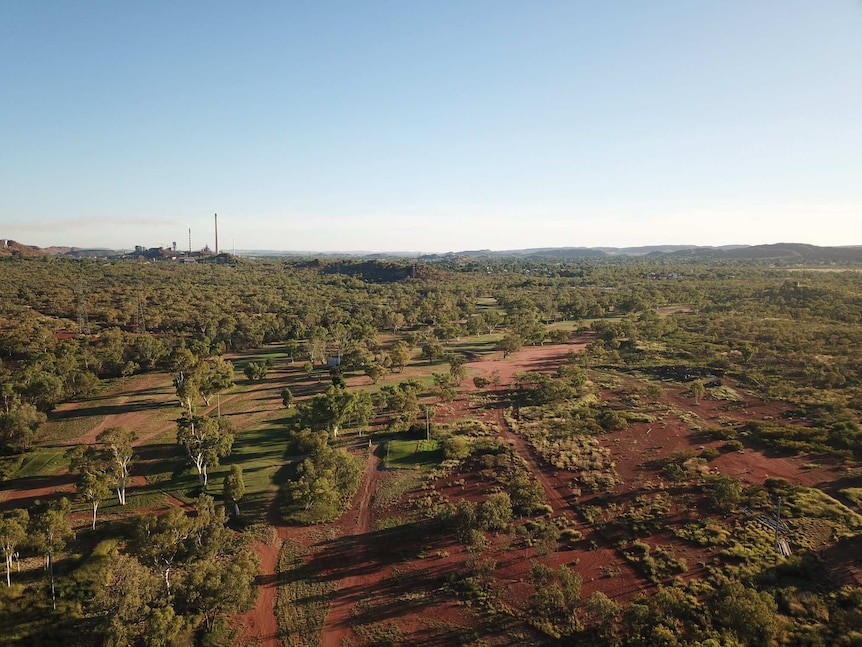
x,y
349,589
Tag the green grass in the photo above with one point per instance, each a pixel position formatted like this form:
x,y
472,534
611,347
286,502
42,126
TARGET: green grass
x,y
64,431
412,454
275,354
482,344
43,462
260,452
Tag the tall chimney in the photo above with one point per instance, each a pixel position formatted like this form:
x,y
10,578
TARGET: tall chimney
x,y
216,232
190,241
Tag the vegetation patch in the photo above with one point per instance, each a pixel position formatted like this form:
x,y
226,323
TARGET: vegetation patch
x,y
412,454
302,601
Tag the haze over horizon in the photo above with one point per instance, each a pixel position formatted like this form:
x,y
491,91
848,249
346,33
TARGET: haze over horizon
x,y
433,127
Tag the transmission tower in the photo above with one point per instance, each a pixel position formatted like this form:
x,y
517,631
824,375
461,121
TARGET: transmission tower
x,y
140,322
83,319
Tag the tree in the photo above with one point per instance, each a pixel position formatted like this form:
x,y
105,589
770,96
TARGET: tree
x,y
234,487
183,365
603,612
161,540
13,532
726,492
206,440
286,398
93,487
495,513
361,409
221,586
456,448
119,445
511,343
375,372
526,493
325,480
492,319
444,387
456,366
400,354
747,351
94,475
124,598
698,390
49,532
188,390
256,371
431,350
18,425
749,614
327,410
213,377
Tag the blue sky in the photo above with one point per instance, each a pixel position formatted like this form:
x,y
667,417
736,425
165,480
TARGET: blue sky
x,y
430,126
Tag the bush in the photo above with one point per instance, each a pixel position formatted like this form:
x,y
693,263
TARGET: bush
x,y
710,453
733,446
571,535
611,420
456,447
481,382
495,513
722,433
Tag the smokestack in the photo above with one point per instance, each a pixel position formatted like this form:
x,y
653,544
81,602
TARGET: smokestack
x,y
190,241
216,232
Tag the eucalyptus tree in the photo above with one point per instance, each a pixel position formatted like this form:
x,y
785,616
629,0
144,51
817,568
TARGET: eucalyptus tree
x,y
234,487
328,410
118,443
19,424
13,533
94,475
206,440
161,541
49,532
400,354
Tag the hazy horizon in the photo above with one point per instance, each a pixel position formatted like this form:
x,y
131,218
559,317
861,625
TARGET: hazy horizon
x,y
433,127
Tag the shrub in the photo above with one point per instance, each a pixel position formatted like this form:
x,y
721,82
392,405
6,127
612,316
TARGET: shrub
x,y
456,447
733,446
710,453
481,382
495,513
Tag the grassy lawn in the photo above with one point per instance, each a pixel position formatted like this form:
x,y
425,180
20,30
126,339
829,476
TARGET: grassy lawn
x,y
412,454
43,462
65,430
260,452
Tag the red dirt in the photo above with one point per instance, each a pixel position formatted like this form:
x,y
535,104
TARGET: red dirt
x,y
350,590
363,570
259,625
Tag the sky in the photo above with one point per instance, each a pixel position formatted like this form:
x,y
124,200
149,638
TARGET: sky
x,y
411,125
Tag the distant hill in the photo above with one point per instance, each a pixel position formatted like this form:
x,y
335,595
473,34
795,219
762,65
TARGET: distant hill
x,y
13,248
778,252
783,252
